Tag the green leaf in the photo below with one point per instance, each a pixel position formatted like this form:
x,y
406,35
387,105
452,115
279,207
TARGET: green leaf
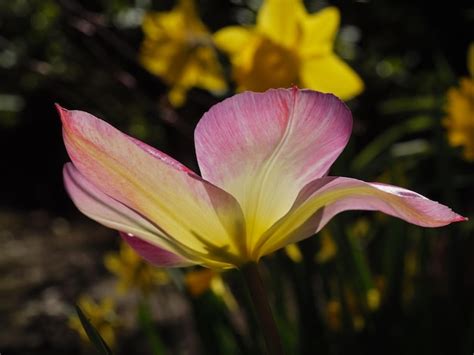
x,y
389,137
93,334
409,104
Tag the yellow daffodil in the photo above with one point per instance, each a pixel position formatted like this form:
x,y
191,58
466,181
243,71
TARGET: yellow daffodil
x,y
132,271
178,48
101,315
289,46
460,111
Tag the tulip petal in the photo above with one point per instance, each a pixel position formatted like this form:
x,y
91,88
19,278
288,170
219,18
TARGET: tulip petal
x,y
330,74
264,147
193,214
111,213
153,254
319,32
278,19
323,198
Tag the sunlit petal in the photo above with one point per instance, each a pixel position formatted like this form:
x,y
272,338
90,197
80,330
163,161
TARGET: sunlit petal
x,y
263,148
233,39
194,214
243,45
111,213
330,74
319,32
323,198
278,19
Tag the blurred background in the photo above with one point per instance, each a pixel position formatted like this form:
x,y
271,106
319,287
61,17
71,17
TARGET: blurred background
x,y
367,284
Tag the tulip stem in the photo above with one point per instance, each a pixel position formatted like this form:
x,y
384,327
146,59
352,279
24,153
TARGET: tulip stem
x,y
262,308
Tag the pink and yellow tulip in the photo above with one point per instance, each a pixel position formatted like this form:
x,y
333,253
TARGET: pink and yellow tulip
x,y
264,160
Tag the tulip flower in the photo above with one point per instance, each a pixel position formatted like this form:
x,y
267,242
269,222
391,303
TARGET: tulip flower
x,y
264,159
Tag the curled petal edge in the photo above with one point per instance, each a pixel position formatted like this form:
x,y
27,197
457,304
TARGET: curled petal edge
x,y
320,200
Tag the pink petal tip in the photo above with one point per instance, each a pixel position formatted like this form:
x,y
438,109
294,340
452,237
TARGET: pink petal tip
x,y
460,219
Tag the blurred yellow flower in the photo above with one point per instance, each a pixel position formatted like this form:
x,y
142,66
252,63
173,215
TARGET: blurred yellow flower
x,y
199,281
289,46
294,253
354,309
411,270
178,48
328,249
358,322
334,312
334,315
101,315
360,228
373,299
380,282
460,111
132,271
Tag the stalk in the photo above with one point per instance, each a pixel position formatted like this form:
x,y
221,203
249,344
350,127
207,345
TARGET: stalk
x,y
262,309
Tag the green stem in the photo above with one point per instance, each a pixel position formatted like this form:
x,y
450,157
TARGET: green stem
x,y
262,308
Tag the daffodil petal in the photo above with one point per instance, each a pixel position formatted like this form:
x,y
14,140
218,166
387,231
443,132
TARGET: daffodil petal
x,y
203,70
323,198
175,23
233,39
319,32
278,20
177,47
153,254
330,74
102,208
264,147
194,214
